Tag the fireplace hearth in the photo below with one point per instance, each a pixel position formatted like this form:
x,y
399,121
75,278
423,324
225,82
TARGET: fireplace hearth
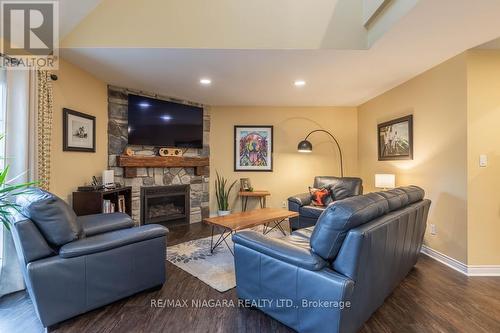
x,y
167,205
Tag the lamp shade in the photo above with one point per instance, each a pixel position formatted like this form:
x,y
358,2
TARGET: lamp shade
x,y
304,147
384,180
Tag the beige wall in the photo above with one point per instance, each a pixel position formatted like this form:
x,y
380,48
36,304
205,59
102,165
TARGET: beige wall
x,y
437,99
77,90
293,172
483,138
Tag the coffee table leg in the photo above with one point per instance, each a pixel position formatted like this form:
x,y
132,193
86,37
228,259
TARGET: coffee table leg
x,y
277,225
222,238
228,247
212,240
217,243
280,227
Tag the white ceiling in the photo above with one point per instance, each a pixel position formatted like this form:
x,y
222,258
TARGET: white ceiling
x,y
71,12
434,31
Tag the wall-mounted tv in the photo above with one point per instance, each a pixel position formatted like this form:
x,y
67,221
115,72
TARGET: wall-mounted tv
x,y
153,122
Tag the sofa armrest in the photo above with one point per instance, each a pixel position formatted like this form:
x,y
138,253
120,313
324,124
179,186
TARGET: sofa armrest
x,y
302,199
279,249
111,240
100,223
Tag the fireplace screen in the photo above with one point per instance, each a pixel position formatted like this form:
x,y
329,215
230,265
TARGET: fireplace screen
x,y
165,204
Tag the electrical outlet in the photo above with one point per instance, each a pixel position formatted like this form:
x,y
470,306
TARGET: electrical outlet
x,y
483,161
284,205
433,229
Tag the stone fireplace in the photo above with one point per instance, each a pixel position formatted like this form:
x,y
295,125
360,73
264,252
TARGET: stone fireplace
x,y
145,177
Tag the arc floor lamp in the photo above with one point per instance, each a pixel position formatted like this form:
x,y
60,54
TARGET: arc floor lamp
x,y
305,146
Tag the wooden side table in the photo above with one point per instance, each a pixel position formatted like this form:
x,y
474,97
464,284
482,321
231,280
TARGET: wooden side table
x,y
261,195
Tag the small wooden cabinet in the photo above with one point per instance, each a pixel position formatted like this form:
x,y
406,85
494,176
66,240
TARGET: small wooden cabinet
x,y
91,202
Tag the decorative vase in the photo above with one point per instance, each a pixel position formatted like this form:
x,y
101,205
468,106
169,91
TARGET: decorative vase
x,y
223,212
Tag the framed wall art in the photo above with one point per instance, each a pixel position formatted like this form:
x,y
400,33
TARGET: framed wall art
x,y
78,131
395,139
253,148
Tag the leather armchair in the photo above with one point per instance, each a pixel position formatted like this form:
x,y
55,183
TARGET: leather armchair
x,y
75,264
341,188
333,276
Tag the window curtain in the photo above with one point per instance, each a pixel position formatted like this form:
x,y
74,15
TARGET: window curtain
x,y
28,133
45,106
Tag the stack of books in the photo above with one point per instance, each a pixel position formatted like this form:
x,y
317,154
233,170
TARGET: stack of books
x,y
121,204
108,207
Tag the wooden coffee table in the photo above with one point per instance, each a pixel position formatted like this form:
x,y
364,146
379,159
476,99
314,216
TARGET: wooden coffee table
x,y
238,221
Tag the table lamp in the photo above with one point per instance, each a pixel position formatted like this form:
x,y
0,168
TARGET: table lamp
x,y
385,181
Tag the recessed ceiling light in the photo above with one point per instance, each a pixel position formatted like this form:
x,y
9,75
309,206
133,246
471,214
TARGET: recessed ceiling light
x,y
205,81
166,117
299,83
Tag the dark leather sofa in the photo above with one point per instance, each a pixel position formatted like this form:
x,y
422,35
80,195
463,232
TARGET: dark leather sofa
x,y
332,277
341,188
75,264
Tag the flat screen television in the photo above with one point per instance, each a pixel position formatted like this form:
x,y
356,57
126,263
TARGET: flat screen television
x,y
153,122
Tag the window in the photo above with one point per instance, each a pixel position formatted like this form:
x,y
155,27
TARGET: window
x,y
3,108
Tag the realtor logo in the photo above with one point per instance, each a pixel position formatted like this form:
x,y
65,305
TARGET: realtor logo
x,y
30,34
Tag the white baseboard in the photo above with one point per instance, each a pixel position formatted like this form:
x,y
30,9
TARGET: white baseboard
x,y
469,270
444,259
483,270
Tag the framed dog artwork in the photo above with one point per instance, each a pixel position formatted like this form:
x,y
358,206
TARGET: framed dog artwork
x,y
253,148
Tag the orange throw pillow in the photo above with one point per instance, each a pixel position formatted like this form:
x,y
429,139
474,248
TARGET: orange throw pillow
x,y
320,196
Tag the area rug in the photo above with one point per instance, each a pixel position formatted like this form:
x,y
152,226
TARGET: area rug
x,y
215,269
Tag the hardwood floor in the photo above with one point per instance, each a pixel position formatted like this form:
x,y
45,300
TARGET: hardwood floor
x,y
433,298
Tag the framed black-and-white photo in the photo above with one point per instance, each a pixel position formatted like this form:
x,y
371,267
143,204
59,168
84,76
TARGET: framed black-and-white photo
x,y
395,139
78,131
253,148
245,184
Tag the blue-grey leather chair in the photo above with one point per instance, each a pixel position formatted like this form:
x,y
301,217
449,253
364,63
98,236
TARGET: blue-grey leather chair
x,y
75,264
332,277
341,188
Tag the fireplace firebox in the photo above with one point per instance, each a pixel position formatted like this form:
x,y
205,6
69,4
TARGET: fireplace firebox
x,y
167,205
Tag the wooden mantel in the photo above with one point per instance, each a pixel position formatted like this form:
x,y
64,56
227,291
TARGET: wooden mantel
x,y
131,163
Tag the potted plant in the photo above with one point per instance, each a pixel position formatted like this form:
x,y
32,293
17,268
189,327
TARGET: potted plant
x,y
222,194
7,190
